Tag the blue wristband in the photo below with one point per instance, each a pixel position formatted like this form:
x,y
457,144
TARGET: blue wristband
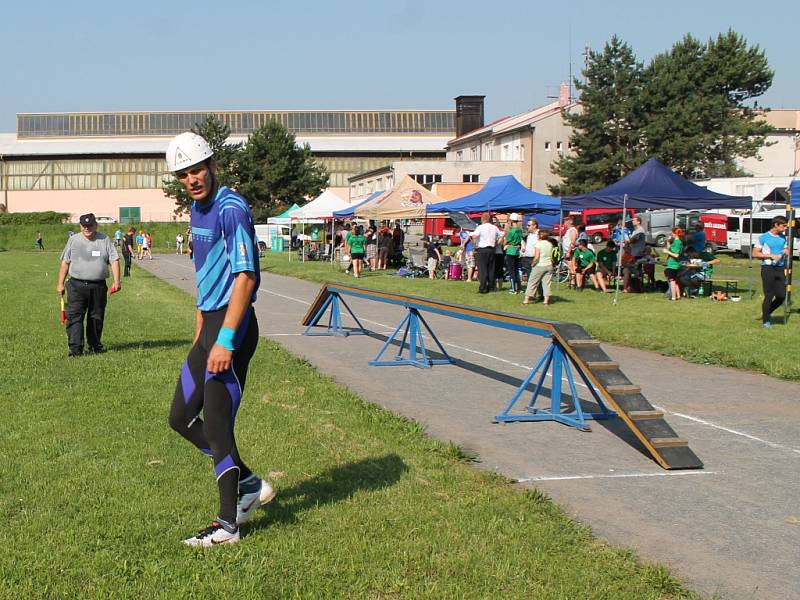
x,y
225,338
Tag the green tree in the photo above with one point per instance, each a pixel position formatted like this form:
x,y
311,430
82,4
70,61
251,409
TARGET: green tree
x,y
216,133
607,138
694,100
274,171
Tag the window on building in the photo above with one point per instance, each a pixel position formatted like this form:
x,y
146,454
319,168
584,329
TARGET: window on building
x,y
560,146
460,155
427,179
547,146
470,178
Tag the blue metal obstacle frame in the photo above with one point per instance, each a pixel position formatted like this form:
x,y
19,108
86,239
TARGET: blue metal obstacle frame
x,y
335,326
555,360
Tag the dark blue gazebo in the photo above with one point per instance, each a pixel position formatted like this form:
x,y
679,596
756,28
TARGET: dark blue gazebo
x,y
654,185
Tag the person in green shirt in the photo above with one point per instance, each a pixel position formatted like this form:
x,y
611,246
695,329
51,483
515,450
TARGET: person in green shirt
x,y
674,250
607,263
355,243
512,244
586,266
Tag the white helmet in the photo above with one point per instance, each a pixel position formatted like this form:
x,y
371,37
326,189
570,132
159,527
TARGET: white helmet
x,y
186,150
513,217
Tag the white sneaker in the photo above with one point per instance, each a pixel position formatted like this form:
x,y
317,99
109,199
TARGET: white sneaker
x,y
248,503
215,535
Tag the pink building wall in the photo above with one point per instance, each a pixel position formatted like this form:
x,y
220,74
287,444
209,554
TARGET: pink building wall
x,y
152,202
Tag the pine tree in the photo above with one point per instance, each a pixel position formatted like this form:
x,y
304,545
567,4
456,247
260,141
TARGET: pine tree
x,y
697,122
274,171
606,141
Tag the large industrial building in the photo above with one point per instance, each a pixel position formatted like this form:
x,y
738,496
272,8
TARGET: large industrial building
x,y
113,164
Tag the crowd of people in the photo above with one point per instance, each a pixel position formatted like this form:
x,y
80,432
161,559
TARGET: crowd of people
x,y
373,248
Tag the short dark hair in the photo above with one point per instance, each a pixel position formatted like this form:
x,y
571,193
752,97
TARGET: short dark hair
x,y
779,220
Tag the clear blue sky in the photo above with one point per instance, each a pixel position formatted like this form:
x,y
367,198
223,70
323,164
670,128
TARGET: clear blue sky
x,y
147,55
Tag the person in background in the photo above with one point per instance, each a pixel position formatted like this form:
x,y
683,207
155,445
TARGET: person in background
x,y
528,248
118,238
541,270
147,246
772,249
293,237
512,248
139,242
620,234
433,254
179,243
398,239
585,266
699,269
607,263
128,249
485,237
569,241
370,249
39,241
355,247
468,253
674,251
697,239
638,240
385,240
86,259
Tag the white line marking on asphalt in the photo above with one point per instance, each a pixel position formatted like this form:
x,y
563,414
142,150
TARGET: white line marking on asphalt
x,y
508,362
729,430
614,476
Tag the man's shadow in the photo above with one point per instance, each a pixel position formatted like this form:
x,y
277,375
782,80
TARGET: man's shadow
x,y
334,485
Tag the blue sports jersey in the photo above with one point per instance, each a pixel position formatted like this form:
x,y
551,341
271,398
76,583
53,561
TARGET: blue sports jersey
x,y
772,244
223,243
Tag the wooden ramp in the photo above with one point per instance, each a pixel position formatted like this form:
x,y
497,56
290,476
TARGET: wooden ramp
x,y
618,392
623,396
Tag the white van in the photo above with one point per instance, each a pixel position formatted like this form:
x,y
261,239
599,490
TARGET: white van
x,y
739,230
265,233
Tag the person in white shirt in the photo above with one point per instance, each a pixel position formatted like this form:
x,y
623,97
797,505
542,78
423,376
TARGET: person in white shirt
x,y
569,242
179,244
485,237
529,247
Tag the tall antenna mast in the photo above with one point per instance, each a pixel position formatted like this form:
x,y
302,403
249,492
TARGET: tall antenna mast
x,y
570,62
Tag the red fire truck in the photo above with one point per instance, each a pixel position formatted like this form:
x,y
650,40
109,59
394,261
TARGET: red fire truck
x,y
448,228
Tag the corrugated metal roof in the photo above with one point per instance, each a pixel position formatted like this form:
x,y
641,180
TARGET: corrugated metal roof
x,y
11,146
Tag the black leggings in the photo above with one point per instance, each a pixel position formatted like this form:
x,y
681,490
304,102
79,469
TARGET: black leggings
x,y
774,281
512,269
218,397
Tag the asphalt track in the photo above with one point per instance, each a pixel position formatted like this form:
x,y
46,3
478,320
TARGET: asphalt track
x,y
728,530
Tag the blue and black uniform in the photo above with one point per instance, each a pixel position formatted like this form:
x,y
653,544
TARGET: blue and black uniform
x,y
224,245
773,276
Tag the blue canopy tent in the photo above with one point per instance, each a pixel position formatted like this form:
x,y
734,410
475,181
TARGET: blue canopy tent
x,y
654,185
794,192
501,193
349,212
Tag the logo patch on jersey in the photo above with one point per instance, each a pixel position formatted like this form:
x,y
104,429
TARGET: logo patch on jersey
x,y
243,250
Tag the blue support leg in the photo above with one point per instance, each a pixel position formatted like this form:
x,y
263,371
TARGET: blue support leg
x,y
334,302
418,356
557,362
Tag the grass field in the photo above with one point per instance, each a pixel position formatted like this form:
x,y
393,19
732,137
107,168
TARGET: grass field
x,y
97,491
698,330
23,237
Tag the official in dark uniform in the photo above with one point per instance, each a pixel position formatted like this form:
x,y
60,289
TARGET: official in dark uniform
x,y
86,258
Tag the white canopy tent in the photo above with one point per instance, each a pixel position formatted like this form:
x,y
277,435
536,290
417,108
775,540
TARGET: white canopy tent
x,y
321,207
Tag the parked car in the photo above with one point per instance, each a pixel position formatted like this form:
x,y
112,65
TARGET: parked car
x,y
105,220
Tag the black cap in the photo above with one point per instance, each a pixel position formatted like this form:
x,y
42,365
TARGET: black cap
x,y
88,220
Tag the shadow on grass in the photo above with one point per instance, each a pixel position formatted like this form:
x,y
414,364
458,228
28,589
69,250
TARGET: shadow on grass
x,y
334,485
149,344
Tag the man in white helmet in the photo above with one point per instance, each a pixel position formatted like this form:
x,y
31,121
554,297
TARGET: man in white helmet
x,y
226,334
